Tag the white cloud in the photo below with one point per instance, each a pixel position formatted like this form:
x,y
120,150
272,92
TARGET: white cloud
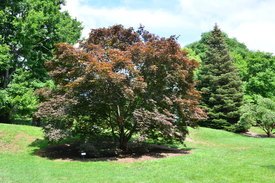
x,y
250,21
93,17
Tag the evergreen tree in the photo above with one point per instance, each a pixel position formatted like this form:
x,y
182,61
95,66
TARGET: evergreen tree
x,y
220,84
237,50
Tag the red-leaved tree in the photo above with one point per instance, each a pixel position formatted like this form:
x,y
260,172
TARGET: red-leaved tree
x,y
127,82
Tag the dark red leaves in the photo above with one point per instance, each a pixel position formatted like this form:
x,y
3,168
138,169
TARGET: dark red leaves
x,y
130,81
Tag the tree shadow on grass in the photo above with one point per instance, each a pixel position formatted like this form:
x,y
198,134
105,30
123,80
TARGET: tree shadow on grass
x,y
256,135
106,151
271,167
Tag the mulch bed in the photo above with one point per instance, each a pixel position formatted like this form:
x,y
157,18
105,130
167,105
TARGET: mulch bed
x,y
136,152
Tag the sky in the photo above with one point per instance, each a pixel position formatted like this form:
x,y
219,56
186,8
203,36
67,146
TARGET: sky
x,y
250,21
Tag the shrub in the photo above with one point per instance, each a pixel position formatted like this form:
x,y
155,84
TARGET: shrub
x,y
261,113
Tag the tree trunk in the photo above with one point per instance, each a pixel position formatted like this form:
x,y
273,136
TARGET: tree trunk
x,y
123,141
6,79
123,144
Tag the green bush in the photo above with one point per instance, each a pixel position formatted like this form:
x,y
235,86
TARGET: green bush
x,y
260,113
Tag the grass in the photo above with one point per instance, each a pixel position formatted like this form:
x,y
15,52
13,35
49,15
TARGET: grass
x,y
216,156
257,130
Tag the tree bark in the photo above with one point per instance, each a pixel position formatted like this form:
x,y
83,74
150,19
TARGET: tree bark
x,y
6,79
123,144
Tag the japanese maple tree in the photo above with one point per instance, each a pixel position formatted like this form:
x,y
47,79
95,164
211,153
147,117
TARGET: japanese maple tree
x,y
128,82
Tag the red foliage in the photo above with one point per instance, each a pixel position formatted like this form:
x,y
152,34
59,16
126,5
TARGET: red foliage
x,y
131,82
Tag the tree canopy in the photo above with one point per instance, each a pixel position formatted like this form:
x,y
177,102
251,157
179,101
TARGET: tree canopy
x,y
260,77
256,68
260,113
29,29
238,51
126,82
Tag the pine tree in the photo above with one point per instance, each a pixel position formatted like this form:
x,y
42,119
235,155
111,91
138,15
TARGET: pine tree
x,y
220,84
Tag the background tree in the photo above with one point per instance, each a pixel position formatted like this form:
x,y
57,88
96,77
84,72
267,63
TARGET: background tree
x,y
237,51
255,68
4,65
261,113
260,77
29,29
193,56
126,82
220,84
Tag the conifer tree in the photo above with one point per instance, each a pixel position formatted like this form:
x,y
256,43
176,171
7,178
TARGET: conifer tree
x,y
220,84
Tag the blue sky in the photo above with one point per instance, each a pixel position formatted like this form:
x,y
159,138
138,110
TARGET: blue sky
x,y
250,21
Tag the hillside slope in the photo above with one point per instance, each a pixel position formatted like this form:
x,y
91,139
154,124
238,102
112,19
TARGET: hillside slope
x,y
216,156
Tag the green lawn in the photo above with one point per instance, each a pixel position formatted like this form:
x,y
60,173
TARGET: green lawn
x,y
216,156
257,130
